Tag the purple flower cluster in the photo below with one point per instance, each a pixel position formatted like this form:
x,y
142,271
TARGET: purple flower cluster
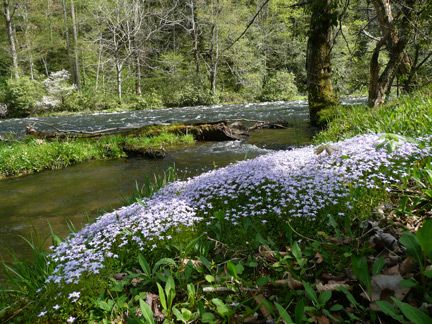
x,y
296,183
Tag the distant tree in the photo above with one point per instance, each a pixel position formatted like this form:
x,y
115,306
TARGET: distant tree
x,y
8,14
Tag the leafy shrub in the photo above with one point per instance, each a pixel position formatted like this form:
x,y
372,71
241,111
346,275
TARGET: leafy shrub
x,y
280,86
149,100
92,100
22,95
190,95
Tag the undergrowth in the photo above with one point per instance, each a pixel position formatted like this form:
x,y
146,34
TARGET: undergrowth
x,y
409,115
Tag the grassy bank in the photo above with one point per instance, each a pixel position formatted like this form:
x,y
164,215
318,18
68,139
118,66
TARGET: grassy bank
x,y
408,115
31,155
292,236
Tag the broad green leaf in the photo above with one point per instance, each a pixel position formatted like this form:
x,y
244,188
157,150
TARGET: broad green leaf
x,y
284,314
206,262
191,291
413,314
310,292
378,265
162,296
262,281
239,268
187,314
299,311
217,302
147,312
298,254
360,268
103,305
424,236
336,308
179,315
410,241
324,297
170,291
207,317
409,283
144,265
232,269
223,311
164,261
428,273
390,310
210,278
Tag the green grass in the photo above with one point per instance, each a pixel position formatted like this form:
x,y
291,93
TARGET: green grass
x,y
407,115
33,155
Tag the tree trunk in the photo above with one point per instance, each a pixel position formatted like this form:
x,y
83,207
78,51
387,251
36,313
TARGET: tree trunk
x,y
98,63
385,19
75,47
119,79
318,60
195,37
11,38
380,85
214,58
68,44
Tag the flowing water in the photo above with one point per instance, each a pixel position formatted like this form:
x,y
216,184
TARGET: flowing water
x,y
68,195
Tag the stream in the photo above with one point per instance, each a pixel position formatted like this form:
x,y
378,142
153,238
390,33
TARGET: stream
x,y
59,197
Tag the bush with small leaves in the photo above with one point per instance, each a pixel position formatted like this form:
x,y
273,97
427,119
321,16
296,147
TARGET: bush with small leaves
x,y
22,95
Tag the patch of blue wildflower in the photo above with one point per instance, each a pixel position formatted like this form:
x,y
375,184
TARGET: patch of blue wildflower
x,y
306,184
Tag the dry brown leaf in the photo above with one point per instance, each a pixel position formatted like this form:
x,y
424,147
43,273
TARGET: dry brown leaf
x,y
319,258
327,276
264,311
321,319
332,285
251,318
339,241
385,286
195,263
119,276
290,282
406,266
136,281
391,271
153,301
385,240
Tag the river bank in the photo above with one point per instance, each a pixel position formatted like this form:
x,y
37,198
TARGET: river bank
x,y
30,155
258,235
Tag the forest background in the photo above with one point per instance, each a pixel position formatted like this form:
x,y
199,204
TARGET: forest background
x,y
162,53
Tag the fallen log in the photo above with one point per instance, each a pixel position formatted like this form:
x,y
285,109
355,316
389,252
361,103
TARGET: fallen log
x,y
217,131
133,150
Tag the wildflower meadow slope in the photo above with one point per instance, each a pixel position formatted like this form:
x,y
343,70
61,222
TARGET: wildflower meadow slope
x,y
297,185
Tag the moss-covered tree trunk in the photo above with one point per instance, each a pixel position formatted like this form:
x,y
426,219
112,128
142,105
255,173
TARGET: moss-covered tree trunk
x,y
318,60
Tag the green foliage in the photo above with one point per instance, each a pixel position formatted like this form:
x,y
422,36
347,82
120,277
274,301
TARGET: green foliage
x,y
280,86
32,155
88,101
189,94
22,95
407,115
149,100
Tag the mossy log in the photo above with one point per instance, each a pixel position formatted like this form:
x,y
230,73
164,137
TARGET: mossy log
x,y
217,131
133,150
